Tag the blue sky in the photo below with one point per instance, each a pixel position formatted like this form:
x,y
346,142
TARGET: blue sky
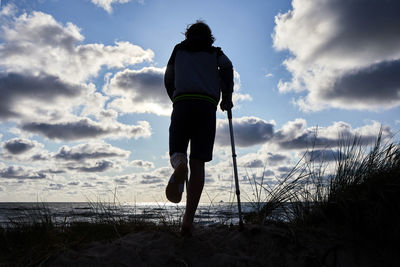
x,y
69,130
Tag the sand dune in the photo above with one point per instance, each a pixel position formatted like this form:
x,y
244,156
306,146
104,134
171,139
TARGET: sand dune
x,y
220,246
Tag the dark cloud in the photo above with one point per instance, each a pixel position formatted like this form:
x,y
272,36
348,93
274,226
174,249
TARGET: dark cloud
x,y
53,171
248,131
66,131
254,163
87,185
308,140
285,169
20,173
268,173
87,151
141,91
122,180
18,146
323,155
39,157
100,166
363,23
274,159
55,187
158,176
151,180
43,88
376,84
85,129
294,135
147,83
345,53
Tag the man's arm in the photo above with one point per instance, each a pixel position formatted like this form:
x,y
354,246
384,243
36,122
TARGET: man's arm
x,y
226,78
169,76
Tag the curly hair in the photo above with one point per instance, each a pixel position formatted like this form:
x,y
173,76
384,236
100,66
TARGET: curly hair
x,y
200,30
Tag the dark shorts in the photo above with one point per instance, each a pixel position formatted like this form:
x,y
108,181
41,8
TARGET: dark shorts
x,y
194,121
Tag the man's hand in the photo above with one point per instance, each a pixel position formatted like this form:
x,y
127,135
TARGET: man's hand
x,y
226,104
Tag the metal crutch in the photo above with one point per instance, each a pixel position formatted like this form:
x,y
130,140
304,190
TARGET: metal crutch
x,y
241,227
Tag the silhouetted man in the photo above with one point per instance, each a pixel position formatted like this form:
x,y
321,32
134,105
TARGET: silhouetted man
x,y
196,74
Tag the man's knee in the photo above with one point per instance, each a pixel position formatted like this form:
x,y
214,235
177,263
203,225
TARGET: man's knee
x,y
196,164
177,158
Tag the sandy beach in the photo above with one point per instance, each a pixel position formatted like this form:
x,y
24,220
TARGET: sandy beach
x,y
220,246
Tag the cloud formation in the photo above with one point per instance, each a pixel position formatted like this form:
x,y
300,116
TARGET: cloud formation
x,y
248,131
143,91
157,177
20,94
46,71
262,159
296,135
99,166
107,4
140,91
20,173
142,164
23,150
345,54
36,43
323,155
90,151
85,129
18,146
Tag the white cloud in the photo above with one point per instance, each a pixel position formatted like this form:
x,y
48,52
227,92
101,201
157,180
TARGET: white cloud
x,y
7,10
107,4
35,43
345,54
46,70
237,96
140,91
142,164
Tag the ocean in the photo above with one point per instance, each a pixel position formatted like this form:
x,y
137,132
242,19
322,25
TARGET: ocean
x,y
67,212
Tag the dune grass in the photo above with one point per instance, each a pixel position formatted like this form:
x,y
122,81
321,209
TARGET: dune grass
x,y
359,199
35,237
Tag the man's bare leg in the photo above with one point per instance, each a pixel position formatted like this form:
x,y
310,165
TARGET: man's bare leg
x,y
195,188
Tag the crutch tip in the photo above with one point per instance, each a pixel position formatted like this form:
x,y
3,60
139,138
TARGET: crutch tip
x,y
241,226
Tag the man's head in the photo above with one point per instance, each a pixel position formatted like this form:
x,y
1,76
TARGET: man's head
x,y
200,30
